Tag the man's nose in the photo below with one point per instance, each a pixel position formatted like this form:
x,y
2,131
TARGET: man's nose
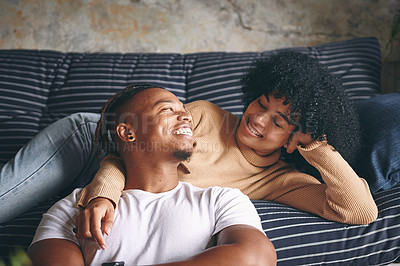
x,y
185,116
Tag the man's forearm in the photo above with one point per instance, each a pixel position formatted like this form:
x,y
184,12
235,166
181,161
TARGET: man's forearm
x,y
237,245
55,252
229,255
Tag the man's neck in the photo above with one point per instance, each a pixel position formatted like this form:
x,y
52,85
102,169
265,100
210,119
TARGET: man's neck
x,y
150,174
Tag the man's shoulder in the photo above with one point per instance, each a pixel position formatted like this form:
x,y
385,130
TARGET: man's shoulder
x,y
229,206
58,221
216,192
67,205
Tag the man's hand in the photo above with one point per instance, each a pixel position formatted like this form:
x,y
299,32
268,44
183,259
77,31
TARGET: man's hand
x,y
296,139
95,220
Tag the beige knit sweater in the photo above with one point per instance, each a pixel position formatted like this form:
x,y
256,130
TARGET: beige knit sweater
x,y
218,160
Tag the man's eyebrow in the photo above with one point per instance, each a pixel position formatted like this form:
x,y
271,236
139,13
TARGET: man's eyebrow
x,y
284,117
164,101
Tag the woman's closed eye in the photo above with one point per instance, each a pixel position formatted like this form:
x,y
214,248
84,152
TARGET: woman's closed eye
x,y
276,123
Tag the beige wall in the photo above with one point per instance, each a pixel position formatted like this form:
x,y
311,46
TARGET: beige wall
x,y
190,25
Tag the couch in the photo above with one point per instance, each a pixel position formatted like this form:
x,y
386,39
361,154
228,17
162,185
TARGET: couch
x,y
39,87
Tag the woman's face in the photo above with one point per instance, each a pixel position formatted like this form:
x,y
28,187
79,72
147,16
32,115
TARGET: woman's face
x,y
265,125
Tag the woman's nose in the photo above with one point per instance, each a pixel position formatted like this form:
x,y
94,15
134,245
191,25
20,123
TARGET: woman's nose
x,y
261,119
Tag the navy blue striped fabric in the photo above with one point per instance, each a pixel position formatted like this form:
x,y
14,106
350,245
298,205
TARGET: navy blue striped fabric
x,y
26,78
305,239
215,78
39,87
19,232
85,82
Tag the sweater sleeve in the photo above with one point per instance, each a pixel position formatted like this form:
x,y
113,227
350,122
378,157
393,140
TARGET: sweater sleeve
x,y
345,197
108,182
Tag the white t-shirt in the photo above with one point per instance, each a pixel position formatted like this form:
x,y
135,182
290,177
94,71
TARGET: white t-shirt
x,y
152,228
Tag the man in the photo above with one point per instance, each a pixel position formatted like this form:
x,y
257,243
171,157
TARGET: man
x,y
159,220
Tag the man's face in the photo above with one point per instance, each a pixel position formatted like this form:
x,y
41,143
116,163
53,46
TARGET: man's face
x,y
265,125
160,124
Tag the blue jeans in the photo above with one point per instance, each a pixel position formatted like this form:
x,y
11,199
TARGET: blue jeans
x,y
60,157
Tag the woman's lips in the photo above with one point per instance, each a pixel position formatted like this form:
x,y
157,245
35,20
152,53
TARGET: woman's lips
x,y
252,130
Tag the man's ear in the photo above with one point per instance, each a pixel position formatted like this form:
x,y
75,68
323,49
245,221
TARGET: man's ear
x,y
125,132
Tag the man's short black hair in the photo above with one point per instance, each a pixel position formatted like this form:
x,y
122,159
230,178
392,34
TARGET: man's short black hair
x,y
106,125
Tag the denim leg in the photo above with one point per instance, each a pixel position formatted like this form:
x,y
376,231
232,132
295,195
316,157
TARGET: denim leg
x,y
59,156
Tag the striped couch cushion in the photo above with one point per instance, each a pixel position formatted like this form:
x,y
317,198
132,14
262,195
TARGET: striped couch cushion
x,y
304,239
26,79
39,87
84,82
216,78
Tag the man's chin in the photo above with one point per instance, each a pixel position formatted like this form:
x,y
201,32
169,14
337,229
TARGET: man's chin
x,y
183,155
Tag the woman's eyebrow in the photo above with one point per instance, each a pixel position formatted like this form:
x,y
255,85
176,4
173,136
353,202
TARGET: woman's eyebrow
x,y
284,117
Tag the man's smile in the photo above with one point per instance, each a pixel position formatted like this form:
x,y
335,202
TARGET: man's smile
x,y
183,131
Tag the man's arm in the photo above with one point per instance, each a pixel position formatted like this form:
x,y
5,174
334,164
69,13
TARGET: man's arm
x,y
236,245
55,252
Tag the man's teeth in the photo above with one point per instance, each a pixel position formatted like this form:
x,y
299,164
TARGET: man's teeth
x,y
184,131
253,130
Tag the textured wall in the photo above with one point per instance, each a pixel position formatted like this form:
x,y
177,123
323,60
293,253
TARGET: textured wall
x,y
188,25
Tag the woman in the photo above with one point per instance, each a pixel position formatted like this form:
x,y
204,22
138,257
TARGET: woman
x,y
291,102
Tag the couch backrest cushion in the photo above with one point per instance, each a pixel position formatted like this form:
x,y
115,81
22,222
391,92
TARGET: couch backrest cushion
x,y
379,160
216,76
39,87
84,82
26,79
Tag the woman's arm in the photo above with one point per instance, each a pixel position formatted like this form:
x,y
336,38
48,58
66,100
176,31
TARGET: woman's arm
x,y
108,182
345,197
95,220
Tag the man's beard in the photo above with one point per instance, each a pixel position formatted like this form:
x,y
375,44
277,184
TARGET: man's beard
x,y
183,155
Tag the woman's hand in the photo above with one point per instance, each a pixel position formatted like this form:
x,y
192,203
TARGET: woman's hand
x,y
95,220
296,139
